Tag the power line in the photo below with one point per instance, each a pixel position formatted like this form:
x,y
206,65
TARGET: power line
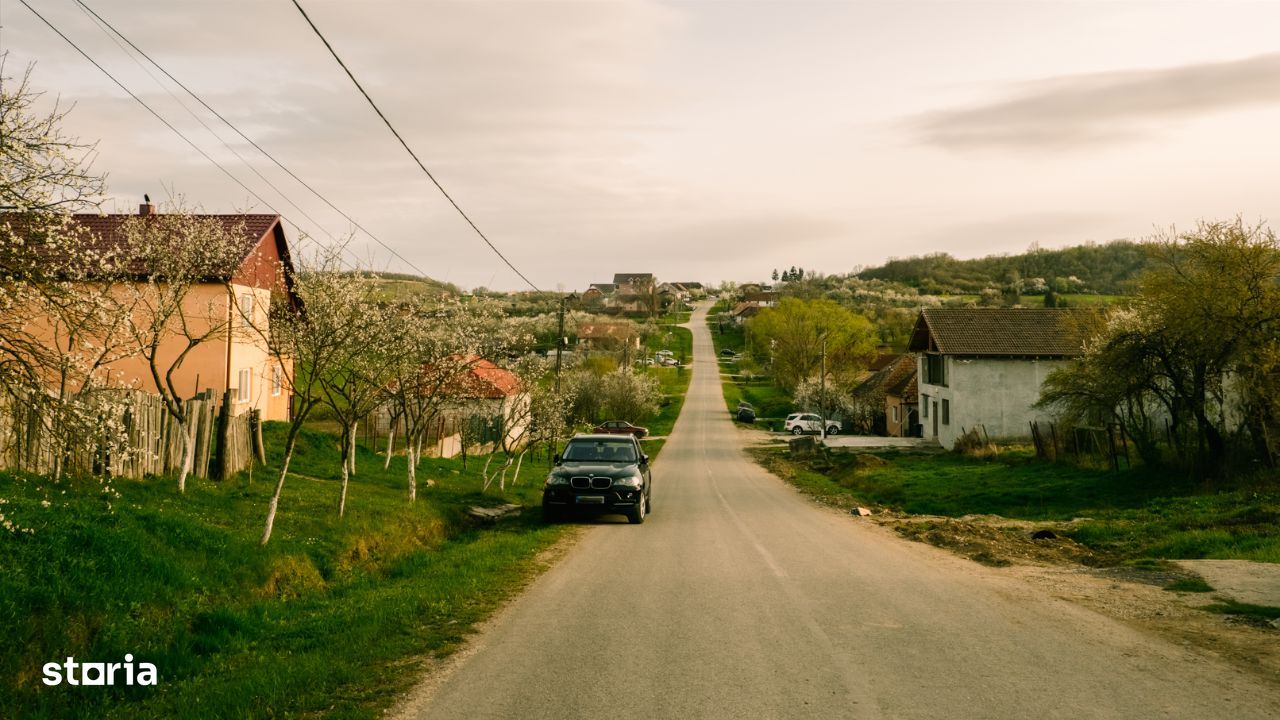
x,y
159,117
99,22
249,140
408,149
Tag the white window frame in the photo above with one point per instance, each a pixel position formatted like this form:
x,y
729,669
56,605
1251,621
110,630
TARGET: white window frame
x,y
246,309
277,380
245,390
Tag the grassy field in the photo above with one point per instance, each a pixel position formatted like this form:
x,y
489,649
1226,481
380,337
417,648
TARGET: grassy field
x,y
327,620
670,337
1127,515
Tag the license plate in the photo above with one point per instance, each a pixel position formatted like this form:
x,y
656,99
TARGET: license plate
x,y
590,499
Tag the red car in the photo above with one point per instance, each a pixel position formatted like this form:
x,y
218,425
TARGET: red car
x,y
619,427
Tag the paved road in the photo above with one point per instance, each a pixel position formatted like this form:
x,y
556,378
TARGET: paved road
x,y
740,599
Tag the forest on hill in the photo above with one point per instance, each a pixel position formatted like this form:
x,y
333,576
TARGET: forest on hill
x,y
1107,269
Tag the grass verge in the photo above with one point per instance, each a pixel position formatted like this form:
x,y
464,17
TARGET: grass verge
x,y
330,618
1144,513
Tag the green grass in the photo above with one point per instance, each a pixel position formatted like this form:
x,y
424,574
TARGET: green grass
x,y
678,340
326,619
1143,513
675,384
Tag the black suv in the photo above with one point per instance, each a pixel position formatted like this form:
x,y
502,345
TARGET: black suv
x,y
601,474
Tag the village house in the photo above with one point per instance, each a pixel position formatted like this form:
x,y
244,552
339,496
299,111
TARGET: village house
x,y
889,395
489,397
983,368
233,307
608,335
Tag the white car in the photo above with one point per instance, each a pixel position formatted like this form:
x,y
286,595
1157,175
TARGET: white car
x,y
801,423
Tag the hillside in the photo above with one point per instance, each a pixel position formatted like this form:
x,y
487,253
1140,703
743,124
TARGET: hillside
x,y
1108,269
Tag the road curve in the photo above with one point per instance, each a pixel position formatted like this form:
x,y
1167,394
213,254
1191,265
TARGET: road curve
x,y
738,598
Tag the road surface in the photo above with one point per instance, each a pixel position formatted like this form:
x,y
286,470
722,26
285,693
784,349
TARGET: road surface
x,y
738,598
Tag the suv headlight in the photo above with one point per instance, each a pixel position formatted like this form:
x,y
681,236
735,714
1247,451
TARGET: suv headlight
x,y
557,480
634,481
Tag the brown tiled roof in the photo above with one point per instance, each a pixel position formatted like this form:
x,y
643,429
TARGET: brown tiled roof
x,y
891,374
998,332
104,231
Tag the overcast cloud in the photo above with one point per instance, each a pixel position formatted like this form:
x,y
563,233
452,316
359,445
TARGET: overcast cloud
x,y
696,140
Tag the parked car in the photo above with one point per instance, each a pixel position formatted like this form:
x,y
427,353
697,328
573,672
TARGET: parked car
x,y
745,414
599,474
669,362
620,427
801,423
727,353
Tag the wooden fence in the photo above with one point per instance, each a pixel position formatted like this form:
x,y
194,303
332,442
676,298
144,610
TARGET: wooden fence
x,y
131,434
1081,444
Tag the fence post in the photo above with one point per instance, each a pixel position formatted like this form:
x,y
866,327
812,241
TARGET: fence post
x,y
223,457
255,426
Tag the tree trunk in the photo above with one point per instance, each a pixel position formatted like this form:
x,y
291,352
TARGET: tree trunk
x,y
413,472
188,452
520,461
284,472
348,445
351,435
391,444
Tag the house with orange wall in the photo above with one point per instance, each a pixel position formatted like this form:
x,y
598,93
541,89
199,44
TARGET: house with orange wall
x,y
233,308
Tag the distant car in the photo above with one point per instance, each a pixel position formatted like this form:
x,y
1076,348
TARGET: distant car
x,y
745,414
668,362
599,474
727,353
801,423
620,427
664,353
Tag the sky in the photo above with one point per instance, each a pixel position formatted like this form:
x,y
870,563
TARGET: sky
x,y
700,141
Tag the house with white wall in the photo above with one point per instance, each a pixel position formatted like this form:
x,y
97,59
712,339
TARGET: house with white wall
x,y
983,367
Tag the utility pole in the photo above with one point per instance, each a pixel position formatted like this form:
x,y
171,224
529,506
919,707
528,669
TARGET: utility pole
x,y
822,390
560,341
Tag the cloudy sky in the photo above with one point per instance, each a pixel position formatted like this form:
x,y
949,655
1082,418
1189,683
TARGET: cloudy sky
x,y
697,140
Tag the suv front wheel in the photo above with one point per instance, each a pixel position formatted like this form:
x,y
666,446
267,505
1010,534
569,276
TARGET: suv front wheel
x,y
797,430
636,516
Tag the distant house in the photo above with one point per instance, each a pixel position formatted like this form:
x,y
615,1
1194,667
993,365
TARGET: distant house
x,y
634,280
693,290
763,298
744,311
885,392
983,367
598,293
608,335
234,306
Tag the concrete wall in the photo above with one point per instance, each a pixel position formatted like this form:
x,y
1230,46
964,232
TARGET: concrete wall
x,y
997,394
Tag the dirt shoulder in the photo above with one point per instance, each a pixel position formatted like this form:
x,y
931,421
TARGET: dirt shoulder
x,y
1042,555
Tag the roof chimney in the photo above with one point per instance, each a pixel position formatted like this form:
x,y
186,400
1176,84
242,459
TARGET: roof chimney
x,y
146,208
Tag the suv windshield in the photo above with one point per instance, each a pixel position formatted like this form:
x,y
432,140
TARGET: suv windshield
x,y
600,451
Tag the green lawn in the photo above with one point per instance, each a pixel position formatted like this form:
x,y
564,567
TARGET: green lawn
x,y
1131,514
324,621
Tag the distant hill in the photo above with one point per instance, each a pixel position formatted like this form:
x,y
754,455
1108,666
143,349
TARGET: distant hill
x,y
1108,269
394,286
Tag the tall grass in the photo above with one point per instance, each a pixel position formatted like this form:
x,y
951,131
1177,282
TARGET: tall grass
x,y
321,621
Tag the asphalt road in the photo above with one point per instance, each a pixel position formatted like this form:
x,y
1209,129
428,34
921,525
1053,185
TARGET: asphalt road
x,y
738,598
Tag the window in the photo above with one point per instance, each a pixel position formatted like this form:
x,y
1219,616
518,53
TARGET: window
x,y
895,414
277,380
946,412
924,404
246,309
242,392
935,369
